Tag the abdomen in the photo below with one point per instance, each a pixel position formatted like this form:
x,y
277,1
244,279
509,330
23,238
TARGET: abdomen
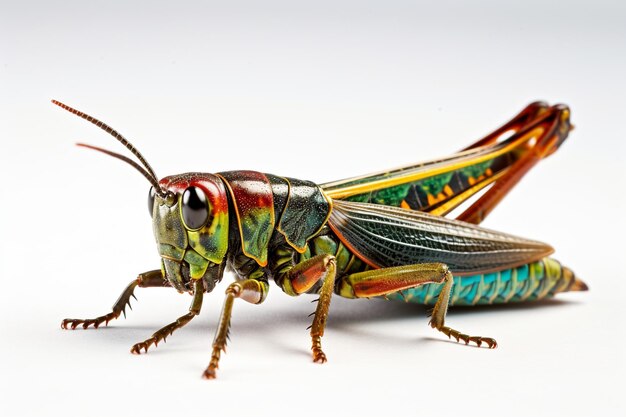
x,y
529,282
534,281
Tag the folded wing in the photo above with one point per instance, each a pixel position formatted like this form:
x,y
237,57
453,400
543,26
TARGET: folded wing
x,y
385,236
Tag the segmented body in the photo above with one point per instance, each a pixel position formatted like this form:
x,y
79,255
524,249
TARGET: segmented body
x,y
534,281
529,281
362,237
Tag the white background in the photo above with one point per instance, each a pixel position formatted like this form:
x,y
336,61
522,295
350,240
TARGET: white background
x,y
317,90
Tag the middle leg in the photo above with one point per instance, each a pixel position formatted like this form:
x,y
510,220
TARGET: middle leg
x,y
163,333
253,290
302,277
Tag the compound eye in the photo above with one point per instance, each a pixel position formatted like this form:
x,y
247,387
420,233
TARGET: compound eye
x,y
151,200
195,209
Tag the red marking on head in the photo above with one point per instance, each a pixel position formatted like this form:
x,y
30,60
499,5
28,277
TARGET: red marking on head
x,y
212,186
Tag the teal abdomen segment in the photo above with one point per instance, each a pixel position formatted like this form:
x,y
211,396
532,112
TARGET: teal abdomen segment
x,y
528,282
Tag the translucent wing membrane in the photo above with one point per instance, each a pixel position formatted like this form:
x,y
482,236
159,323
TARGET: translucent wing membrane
x,y
386,236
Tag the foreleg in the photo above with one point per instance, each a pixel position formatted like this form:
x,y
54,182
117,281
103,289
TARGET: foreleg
x,y
161,334
145,280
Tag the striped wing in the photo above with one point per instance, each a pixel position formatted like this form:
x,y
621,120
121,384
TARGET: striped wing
x,y
385,236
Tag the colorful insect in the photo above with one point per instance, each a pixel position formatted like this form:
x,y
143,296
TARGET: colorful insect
x,y
379,235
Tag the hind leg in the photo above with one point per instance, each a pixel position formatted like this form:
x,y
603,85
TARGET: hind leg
x,y
523,118
380,282
549,131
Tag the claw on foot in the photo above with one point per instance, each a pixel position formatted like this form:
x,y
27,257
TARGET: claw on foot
x,y
74,323
154,340
209,373
458,336
136,349
319,356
